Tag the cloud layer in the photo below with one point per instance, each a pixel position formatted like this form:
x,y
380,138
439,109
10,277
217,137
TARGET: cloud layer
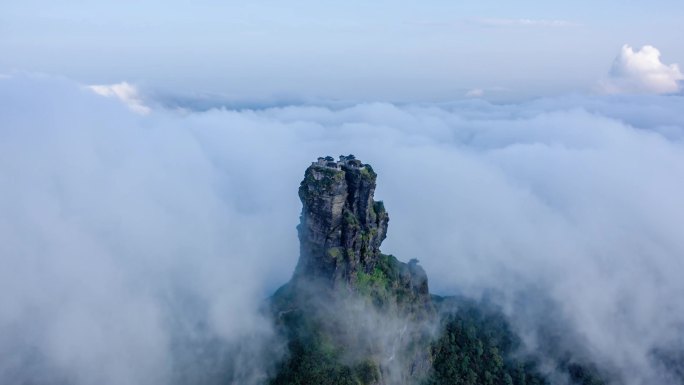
x,y
113,222
642,72
125,92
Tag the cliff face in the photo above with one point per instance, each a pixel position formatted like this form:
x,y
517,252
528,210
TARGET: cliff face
x,y
341,226
340,232
351,311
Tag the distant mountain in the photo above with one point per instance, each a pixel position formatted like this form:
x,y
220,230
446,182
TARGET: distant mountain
x,y
353,315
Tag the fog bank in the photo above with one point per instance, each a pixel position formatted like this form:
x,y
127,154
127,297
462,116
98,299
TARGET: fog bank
x,y
112,224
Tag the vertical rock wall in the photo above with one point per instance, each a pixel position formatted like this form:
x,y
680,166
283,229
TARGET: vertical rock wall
x,y
341,226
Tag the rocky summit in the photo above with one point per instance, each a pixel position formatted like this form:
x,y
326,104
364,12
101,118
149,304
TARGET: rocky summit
x,y
351,310
341,226
340,232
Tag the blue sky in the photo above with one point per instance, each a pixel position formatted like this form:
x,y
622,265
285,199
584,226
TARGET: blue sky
x,y
374,50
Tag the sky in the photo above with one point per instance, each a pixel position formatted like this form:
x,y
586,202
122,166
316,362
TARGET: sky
x,y
150,154
399,51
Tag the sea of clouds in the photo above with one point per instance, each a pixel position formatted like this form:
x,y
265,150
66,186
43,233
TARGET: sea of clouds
x,y
123,232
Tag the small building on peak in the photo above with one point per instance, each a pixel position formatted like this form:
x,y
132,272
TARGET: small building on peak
x,y
328,162
350,161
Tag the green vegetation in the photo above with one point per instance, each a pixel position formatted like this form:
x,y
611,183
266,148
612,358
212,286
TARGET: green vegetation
x,y
390,266
313,359
331,173
383,285
350,219
315,354
335,253
372,214
379,207
368,173
475,344
369,170
475,348
583,375
330,177
373,283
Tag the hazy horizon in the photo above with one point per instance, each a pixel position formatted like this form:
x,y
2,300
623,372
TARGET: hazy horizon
x,y
380,51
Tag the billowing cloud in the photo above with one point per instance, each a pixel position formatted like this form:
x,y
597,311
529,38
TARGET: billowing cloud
x,y
121,233
125,92
642,72
121,253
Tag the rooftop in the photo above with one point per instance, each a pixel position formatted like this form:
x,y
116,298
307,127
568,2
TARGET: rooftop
x,y
348,161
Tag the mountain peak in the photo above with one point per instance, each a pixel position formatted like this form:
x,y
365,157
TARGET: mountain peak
x,y
341,225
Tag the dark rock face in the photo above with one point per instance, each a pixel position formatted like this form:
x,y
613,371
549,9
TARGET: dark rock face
x,y
350,313
341,226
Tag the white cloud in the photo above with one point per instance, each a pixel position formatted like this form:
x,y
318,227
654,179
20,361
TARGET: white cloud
x,y
125,92
111,222
642,72
475,93
105,261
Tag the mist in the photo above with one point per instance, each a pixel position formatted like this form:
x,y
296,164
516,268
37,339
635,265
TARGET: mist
x,y
122,234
